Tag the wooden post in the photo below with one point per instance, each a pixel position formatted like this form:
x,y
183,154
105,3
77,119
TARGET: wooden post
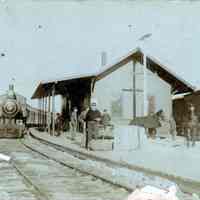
x,y
91,88
53,109
45,112
49,114
38,112
41,111
84,135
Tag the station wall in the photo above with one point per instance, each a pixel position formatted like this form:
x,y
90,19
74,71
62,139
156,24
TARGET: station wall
x,y
115,93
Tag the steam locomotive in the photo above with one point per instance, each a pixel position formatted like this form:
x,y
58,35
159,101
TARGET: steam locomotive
x,y
16,115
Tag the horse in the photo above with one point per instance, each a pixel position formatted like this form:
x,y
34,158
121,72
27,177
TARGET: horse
x,y
149,122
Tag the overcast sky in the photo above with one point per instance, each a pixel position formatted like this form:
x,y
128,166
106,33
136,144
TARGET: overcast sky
x,y
43,39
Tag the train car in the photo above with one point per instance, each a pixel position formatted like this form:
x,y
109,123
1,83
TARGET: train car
x,y
13,114
36,117
32,118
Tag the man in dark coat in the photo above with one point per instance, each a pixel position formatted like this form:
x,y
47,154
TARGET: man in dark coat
x,y
92,119
74,123
59,124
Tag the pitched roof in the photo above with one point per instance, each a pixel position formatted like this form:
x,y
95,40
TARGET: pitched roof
x,y
179,85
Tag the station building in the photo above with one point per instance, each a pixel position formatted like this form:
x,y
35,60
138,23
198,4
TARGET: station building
x,y
134,80
134,85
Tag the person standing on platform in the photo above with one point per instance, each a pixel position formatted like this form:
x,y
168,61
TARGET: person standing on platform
x,y
74,123
92,119
81,118
58,124
105,119
172,124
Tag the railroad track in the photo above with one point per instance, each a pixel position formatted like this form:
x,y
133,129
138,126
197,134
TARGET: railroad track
x,y
14,183
187,187
32,175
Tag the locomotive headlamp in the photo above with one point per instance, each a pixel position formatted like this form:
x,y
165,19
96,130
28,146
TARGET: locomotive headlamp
x,y
10,108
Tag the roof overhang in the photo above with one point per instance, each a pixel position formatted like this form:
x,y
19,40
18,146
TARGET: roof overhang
x,y
62,85
178,84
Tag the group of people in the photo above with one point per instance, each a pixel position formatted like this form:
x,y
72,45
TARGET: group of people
x,y
189,127
87,121
90,119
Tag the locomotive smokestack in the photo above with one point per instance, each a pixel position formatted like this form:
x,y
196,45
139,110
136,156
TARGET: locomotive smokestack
x,y
11,93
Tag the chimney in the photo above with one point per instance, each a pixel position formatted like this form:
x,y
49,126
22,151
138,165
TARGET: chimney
x,y
11,87
103,58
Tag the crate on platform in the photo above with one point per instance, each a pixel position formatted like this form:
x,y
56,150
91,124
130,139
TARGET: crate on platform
x,y
101,145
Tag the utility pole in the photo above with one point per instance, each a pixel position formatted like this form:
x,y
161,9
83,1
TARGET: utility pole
x,y
134,78
145,106
145,84
134,89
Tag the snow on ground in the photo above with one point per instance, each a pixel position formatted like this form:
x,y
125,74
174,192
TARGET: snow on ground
x,y
159,155
126,176
165,155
